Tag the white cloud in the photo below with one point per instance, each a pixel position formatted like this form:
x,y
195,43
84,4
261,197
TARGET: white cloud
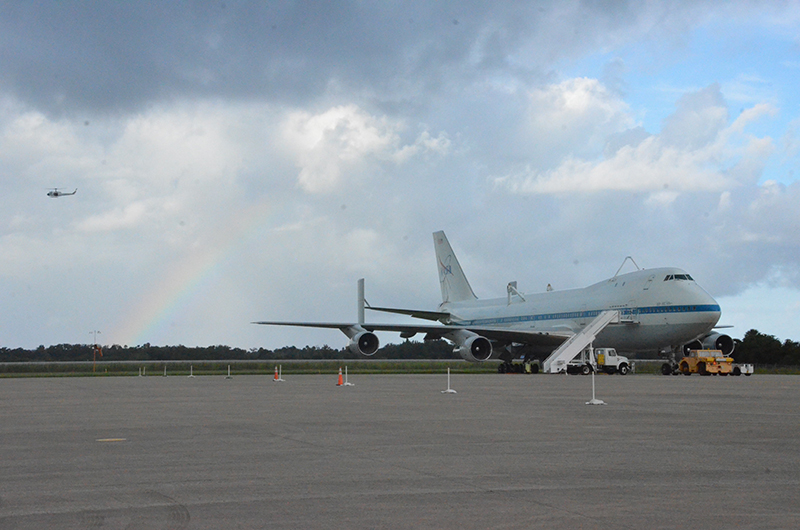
x,y
574,117
47,152
649,166
791,140
334,141
337,147
127,217
698,120
424,144
772,212
751,115
190,143
697,150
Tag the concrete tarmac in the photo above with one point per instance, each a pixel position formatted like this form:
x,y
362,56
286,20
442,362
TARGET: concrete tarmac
x,y
393,451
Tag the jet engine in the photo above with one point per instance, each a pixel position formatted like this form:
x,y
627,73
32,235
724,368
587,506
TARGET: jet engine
x,y
471,346
718,341
712,341
364,342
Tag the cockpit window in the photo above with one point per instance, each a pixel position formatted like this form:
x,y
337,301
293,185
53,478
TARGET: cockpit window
x,y
671,277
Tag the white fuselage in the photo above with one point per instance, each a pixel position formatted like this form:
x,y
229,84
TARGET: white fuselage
x,y
660,309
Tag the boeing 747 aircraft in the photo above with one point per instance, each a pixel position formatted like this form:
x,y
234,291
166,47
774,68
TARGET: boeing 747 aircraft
x,y
650,310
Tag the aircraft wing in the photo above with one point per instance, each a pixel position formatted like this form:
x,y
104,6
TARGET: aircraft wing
x,y
503,335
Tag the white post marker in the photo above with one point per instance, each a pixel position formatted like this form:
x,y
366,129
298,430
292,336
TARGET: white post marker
x,y
229,373
449,390
594,401
191,374
165,370
346,382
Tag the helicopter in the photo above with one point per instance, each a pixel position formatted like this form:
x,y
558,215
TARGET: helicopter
x,y
54,193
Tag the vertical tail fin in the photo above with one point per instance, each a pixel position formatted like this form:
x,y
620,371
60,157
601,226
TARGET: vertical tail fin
x,y
455,287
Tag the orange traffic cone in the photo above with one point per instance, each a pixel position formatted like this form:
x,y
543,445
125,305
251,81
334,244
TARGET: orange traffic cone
x,y
341,382
276,374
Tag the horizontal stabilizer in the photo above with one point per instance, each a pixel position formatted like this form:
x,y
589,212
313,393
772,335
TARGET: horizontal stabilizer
x,y
416,313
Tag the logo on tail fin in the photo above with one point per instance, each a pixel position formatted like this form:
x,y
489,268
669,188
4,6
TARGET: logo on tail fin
x,y
444,270
454,284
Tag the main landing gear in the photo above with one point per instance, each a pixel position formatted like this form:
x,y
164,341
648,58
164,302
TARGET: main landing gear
x,y
670,366
670,369
527,367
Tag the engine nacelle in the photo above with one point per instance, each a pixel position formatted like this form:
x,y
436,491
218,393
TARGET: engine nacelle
x,y
365,343
718,341
470,346
712,341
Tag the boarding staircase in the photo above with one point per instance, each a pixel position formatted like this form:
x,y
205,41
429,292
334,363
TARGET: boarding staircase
x,y
557,361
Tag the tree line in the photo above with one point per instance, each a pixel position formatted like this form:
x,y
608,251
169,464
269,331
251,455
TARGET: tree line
x,y
755,347
759,348
438,349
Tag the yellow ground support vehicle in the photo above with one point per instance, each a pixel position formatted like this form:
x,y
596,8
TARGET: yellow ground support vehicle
x,y
707,362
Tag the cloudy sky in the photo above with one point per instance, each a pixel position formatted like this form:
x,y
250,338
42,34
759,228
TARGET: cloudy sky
x,y
240,161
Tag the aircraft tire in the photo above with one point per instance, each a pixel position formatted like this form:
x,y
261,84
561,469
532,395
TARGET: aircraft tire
x,y
666,369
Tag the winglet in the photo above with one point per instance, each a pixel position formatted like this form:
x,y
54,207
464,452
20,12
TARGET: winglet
x,y
361,301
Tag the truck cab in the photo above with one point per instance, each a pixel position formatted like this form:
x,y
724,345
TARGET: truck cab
x,y
599,359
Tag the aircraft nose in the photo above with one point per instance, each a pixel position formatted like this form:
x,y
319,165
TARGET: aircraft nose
x,y
710,305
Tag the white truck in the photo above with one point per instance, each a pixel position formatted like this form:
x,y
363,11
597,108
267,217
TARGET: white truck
x,y
599,359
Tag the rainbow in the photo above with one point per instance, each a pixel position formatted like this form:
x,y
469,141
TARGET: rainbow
x,y
184,283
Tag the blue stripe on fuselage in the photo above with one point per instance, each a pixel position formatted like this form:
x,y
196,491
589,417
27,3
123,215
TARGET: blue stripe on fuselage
x,y
572,315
